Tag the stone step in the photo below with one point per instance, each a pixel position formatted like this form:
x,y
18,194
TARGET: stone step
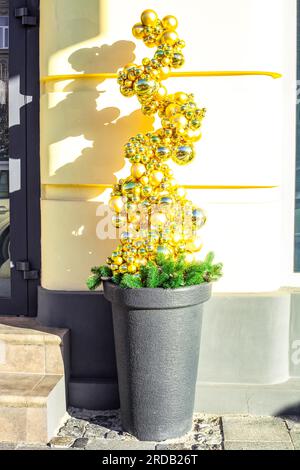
x,y
27,347
32,406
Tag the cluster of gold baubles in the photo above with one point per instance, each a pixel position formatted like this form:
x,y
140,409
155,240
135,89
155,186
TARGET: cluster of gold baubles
x,y
152,212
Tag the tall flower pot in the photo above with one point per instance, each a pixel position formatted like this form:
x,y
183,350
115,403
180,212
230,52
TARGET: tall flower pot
x,y
157,338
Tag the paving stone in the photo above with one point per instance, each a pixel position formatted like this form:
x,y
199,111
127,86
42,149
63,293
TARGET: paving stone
x,y
95,431
293,422
80,443
105,444
61,442
236,445
295,436
255,429
174,446
7,446
74,428
114,435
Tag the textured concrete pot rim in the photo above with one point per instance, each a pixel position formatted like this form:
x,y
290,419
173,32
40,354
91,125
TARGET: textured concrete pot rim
x,y
157,298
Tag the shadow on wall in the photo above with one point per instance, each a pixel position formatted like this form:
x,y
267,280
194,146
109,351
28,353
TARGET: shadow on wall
x,y
78,116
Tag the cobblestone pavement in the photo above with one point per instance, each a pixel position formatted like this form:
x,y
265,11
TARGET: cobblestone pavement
x,y
101,430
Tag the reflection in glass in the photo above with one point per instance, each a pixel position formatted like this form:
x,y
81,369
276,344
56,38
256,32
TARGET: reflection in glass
x,y
4,153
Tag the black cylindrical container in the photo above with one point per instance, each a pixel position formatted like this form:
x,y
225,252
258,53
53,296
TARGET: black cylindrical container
x,y
157,338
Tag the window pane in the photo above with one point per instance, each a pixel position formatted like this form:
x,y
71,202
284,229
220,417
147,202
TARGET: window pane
x,y
3,20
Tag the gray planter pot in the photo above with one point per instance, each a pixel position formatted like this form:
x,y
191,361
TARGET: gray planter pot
x,y
157,338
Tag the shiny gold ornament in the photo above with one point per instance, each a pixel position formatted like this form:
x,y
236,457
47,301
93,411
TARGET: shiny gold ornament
x,y
123,268
156,178
118,260
149,18
138,30
170,37
138,170
183,155
116,204
170,23
132,268
161,92
181,97
145,87
163,153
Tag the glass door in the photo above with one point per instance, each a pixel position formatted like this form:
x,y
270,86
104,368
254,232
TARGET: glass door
x,y
16,113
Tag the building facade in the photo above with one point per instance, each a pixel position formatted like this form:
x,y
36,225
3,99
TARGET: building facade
x,y
244,177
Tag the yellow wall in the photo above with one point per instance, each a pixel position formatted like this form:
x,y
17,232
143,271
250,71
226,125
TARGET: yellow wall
x,y
84,125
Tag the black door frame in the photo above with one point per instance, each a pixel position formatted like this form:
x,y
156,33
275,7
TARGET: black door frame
x,y
24,148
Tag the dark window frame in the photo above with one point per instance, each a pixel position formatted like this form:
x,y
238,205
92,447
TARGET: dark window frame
x,y
24,146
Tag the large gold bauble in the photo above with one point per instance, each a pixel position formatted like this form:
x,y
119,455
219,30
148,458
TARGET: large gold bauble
x,y
169,38
116,204
179,121
145,86
138,170
170,23
156,177
138,30
171,110
161,93
183,155
181,97
149,17
163,153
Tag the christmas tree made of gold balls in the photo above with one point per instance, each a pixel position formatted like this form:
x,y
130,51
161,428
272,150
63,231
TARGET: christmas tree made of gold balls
x,y
150,210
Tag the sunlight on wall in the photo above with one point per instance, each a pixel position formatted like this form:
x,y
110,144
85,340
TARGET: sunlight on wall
x,y
66,151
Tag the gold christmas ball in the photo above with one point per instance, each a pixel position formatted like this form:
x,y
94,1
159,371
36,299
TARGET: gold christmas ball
x,y
161,93
123,268
171,110
149,18
116,204
118,260
138,170
183,155
194,136
132,268
164,72
169,38
170,23
114,267
179,121
145,86
156,178
144,180
138,31
181,97
163,153
177,60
